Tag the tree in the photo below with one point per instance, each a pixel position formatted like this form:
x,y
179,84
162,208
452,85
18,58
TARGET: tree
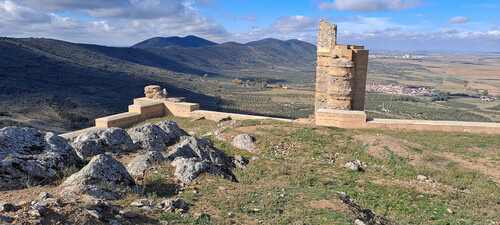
x,y
237,81
263,84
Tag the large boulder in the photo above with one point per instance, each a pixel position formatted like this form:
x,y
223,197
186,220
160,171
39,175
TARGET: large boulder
x,y
150,137
156,136
245,142
139,165
194,156
29,155
102,171
171,127
97,142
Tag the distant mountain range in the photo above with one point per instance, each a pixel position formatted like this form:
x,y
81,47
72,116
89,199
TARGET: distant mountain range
x,y
67,85
185,42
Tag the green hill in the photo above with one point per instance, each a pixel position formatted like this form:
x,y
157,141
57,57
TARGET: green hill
x,y
62,84
163,42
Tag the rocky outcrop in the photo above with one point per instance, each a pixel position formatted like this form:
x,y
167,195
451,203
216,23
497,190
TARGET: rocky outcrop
x,y
173,205
156,137
102,171
194,156
98,142
171,128
240,161
150,137
138,166
245,142
77,191
29,155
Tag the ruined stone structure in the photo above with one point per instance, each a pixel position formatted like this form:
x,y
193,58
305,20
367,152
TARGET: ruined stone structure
x,y
340,72
155,92
339,102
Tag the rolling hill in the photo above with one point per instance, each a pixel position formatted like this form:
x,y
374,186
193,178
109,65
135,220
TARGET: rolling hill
x,y
163,42
66,85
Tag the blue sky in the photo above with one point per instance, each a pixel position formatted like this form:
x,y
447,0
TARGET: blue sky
x,y
378,24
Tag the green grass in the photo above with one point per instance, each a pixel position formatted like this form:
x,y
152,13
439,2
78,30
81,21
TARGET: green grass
x,y
298,187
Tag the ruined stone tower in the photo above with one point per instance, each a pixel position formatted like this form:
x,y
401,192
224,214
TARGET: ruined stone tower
x,y
340,72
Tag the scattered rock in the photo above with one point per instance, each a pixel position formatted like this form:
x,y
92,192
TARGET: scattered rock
x,y
255,158
86,190
222,119
35,213
8,207
97,142
29,157
245,142
114,222
6,219
103,171
213,133
24,203
449,211
359,212
240,161
42,196
358,222
352,166
421,177
94,214
197,119
128,213
138,166
54,202
140,202
173,205
195,155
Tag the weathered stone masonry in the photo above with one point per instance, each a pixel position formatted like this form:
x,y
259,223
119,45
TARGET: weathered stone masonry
x,y
340,72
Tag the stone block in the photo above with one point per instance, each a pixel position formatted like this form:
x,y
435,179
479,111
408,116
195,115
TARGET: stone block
x,y
327,36
341,118
148,110
121,120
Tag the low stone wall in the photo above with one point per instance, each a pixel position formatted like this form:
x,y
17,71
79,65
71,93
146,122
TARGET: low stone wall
x,y
352,119
146,108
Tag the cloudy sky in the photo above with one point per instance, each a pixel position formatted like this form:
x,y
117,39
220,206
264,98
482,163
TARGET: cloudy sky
x,y
456,25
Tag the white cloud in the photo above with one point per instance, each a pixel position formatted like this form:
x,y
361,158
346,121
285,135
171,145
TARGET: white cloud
x,y
63,5
368,5
114,31
296,23
13,14
458,19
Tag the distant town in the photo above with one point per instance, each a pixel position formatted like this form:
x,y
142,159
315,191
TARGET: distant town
x,y
401,90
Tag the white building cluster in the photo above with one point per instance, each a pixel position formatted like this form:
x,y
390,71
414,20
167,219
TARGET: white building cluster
x,y
401,90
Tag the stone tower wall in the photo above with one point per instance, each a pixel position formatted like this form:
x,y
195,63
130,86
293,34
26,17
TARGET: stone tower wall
x,y
340,72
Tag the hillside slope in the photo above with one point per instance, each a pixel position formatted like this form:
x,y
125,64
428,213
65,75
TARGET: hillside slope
x,y
67,85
